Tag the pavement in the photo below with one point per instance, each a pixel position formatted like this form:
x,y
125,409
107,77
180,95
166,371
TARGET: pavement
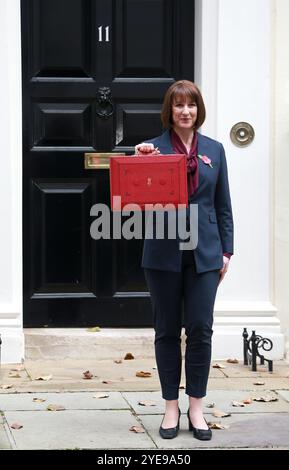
x,y
55,407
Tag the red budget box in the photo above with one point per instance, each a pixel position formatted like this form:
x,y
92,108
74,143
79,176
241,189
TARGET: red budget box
x,y
148,180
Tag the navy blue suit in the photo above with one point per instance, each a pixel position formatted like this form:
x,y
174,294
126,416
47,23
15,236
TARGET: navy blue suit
x,y
215,221
189,279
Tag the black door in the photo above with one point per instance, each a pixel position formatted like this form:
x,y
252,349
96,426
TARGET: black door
x,y
70,49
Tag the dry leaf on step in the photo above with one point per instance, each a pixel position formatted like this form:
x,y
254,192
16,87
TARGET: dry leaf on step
x,y
233,361
136,429
213,425
219,366
128,356
14,375
39,400
247,401
220,414
55,408
44,377
142,373
103,395
6,386
238,403
258,383
93,329
147,403
16,426
266,398
87,375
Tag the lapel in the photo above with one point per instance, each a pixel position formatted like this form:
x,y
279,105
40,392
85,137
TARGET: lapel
x,y
202,149
165,143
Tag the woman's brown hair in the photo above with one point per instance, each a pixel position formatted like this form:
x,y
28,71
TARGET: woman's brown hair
x,y
182,89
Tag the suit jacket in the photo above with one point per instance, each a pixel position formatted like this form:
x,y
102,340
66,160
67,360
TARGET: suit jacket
x,y
215,220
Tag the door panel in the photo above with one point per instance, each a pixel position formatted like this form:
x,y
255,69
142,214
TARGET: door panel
x,y
61,37
143,38
62,124
75,55
60,233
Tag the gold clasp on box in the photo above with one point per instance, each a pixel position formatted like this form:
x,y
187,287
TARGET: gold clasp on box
x,y
99,161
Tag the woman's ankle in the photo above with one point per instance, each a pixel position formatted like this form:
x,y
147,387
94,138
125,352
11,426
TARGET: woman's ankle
x,y
172,405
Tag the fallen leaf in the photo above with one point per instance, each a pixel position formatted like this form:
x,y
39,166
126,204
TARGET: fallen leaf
x,y
237,403
141,373
6,386
55,408
259,383
147,403
16,426
219,366
136,429
93,329
210,405
220,414
247,401
14,375
118,361
155,367
233,361
44,377
87,375
182,387
107,382
128,356
214,425
100,396
39,400
266,398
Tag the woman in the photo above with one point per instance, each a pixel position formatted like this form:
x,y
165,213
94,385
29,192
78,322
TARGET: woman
x,y
176,277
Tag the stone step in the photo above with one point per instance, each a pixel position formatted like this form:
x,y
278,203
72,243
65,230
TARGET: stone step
x,y
77,343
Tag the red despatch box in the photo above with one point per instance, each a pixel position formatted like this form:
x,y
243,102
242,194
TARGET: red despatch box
x,y
148,180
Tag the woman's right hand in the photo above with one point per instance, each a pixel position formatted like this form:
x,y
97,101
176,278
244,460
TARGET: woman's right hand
x,y
145,149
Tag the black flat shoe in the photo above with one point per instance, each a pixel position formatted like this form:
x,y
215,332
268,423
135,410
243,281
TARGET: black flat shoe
x,y
201,434
170,433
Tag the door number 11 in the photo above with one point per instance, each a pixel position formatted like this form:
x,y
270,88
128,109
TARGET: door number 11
x,y
106,34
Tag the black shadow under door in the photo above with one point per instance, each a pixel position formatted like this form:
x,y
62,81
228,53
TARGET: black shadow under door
x,y
71,49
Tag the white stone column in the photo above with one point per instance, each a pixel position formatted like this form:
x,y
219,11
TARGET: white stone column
x,y
281,147
11,183
234,67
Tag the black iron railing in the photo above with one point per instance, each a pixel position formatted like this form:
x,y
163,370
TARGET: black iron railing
x,y
251,347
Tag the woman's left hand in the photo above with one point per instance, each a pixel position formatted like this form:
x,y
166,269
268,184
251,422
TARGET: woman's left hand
x,y
223,271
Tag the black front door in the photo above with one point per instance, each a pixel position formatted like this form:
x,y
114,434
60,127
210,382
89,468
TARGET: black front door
x,y
70,50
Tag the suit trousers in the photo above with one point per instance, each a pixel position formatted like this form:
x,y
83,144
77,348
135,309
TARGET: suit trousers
x,y
171,294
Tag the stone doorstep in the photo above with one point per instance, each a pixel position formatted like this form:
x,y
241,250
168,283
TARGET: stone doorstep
x,y
108,343
69,343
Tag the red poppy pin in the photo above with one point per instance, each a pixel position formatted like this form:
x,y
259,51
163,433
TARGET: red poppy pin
x,y
206,160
